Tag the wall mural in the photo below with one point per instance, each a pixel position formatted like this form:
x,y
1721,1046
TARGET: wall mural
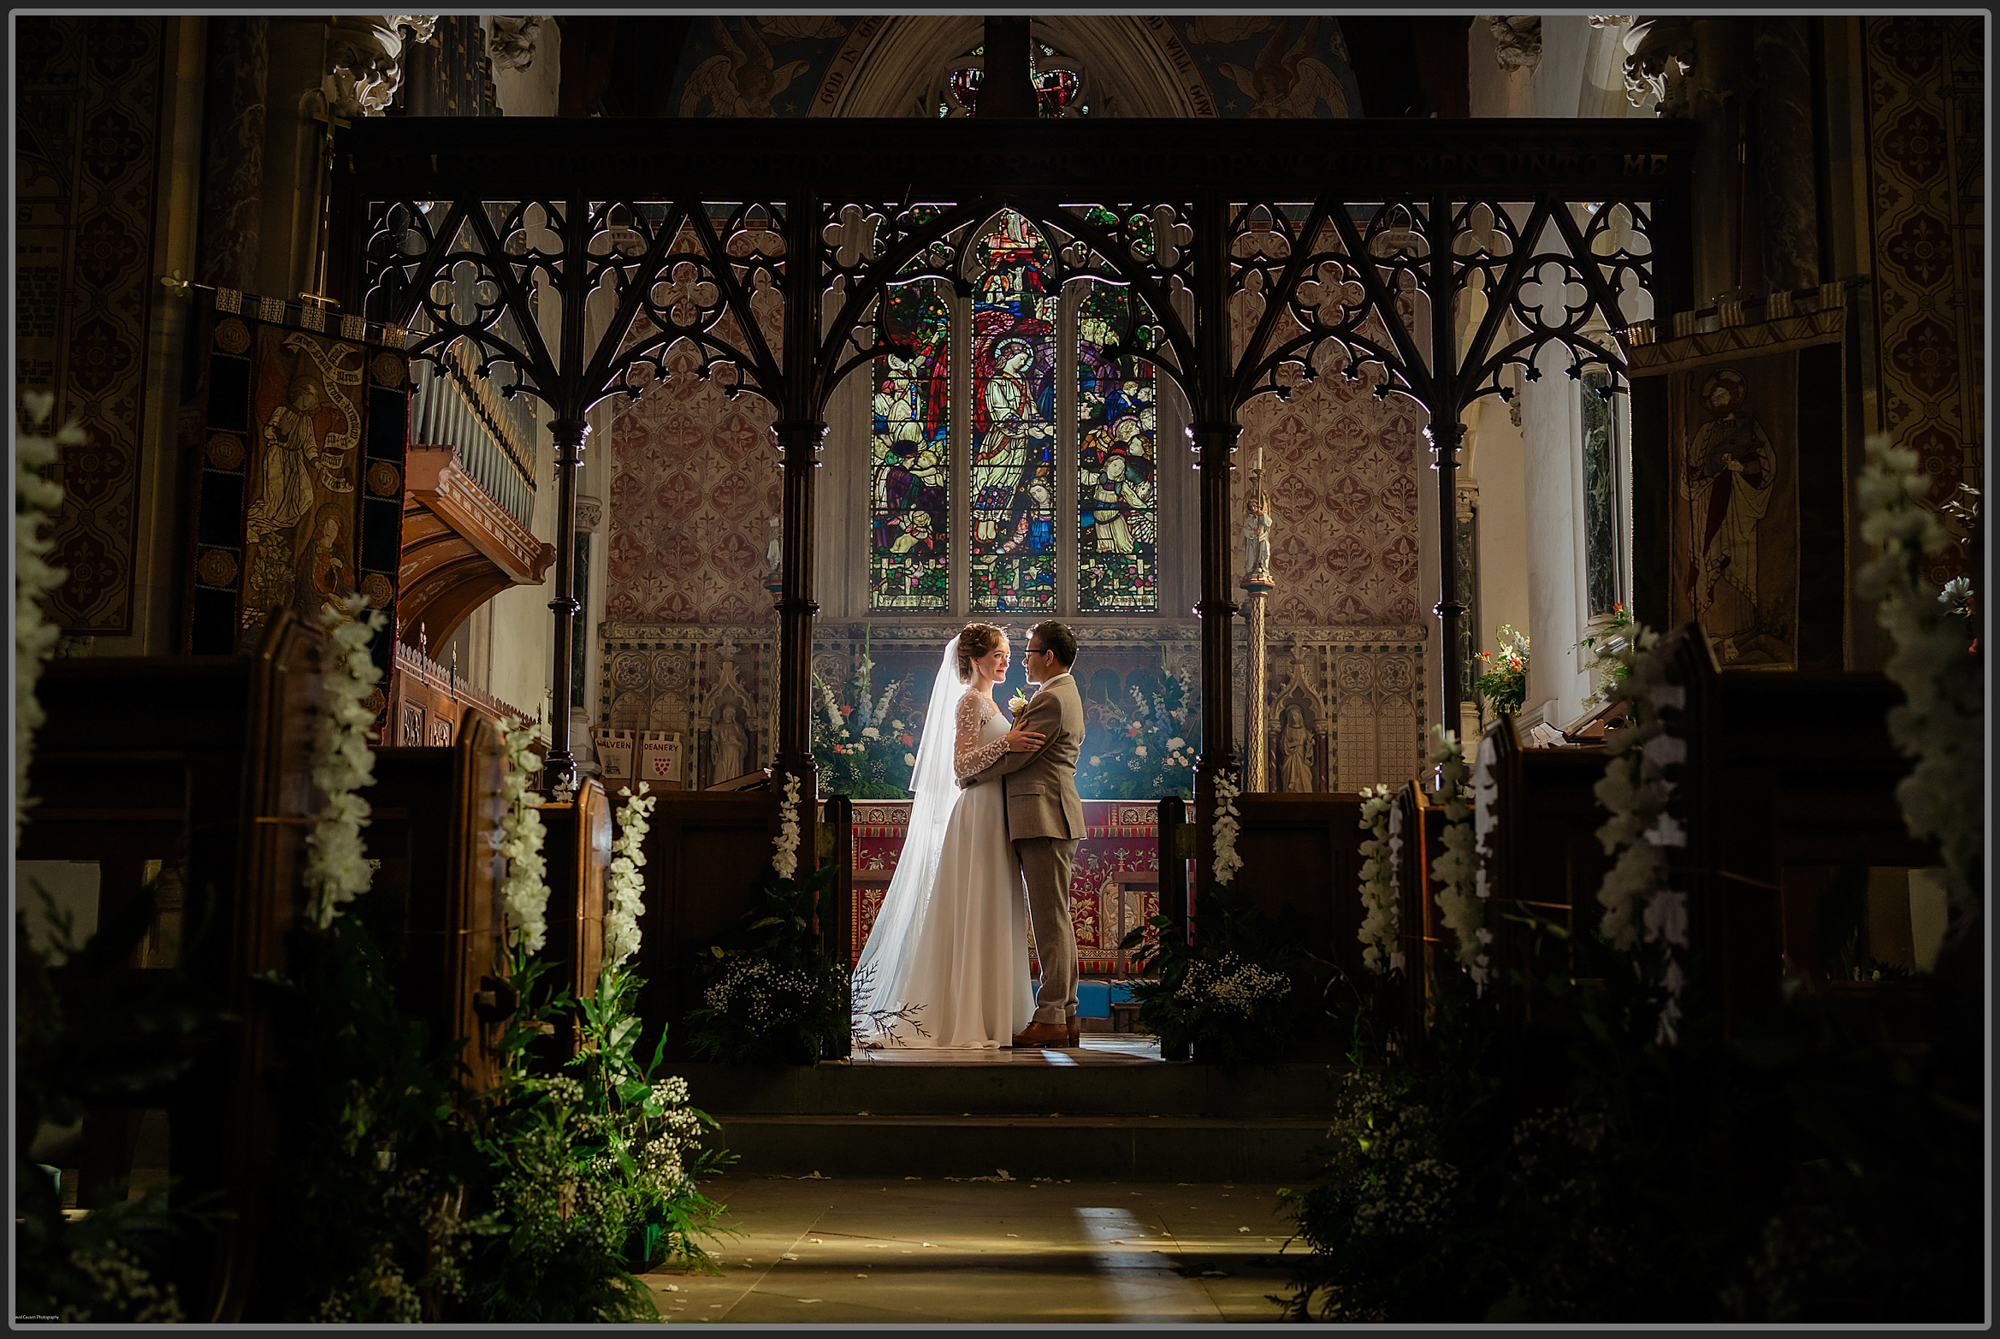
x,y
1251,65
299,494
86,187
1926,128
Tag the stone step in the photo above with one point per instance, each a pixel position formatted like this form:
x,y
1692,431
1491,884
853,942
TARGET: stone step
x,y
1115,1148
1139,1089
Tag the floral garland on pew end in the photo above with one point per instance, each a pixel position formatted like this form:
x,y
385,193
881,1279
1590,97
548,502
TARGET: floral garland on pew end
x,y
785,846
1942,720
524,896
337,871
1635,791
1381,916
1228,822
1457,869
36,501
625,885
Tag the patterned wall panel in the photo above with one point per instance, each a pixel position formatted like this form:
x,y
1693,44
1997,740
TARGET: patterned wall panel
x,y
694,483
1926,153
87,124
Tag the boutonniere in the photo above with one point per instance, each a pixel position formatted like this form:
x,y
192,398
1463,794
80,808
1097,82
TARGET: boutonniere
x,y
1016,702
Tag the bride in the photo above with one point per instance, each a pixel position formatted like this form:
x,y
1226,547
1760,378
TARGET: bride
x,y
949,948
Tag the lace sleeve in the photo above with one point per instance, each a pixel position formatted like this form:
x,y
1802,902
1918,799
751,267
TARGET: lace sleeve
x,y
969,757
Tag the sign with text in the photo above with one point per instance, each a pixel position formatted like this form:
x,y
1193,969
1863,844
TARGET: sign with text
x,y
614,752
659,757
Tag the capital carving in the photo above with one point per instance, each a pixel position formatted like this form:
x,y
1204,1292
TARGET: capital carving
x,y
589,514
1661,52
513,43
364,60
1517,40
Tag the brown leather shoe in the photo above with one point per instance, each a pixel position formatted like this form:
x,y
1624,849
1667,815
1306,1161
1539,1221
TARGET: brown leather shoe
x,y
1075,1031
1043,1035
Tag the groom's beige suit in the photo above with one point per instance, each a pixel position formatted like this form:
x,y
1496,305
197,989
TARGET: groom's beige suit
x,y
1045,823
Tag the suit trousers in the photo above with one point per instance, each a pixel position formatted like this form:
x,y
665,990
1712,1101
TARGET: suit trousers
x,y
1045,866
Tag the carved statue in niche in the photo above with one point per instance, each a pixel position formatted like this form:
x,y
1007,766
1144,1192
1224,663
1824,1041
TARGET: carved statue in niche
x,y
732,744
1295,753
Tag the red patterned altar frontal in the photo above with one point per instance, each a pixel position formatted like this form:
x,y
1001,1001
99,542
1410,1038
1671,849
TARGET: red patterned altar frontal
x,y
87,173
1114,885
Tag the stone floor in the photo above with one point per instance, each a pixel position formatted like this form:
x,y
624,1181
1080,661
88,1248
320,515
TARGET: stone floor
x,y
875,1252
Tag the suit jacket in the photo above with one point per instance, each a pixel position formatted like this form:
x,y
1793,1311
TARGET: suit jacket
x,y
1041,786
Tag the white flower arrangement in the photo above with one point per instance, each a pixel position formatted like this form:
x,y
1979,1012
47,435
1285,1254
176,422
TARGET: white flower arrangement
x,y
1380,914
524,897
1638,903
785,859
625,885
1457,869
1227,824
35,501
1234,984
1942,721
337,871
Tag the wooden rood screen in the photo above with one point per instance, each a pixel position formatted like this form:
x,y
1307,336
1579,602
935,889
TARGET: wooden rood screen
x,y
772,257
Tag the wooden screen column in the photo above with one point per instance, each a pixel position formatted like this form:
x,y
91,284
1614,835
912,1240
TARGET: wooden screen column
x,y
1215,433
1447,433
800,432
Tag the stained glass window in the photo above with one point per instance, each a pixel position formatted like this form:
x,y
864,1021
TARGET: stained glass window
x,y
910,454
1117,458
1600,498
1013,346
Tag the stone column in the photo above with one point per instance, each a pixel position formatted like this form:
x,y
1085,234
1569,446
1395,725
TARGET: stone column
x,y
1785,155
1257,586
232,168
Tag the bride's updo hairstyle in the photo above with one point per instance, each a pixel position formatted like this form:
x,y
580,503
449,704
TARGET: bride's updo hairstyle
x,y
976,640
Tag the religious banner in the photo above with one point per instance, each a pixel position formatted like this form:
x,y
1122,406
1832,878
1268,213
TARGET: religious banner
x,y
88,93
614,753
299,498
660,757
1741,457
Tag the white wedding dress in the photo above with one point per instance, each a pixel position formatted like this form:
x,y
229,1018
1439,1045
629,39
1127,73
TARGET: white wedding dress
x,y
950,945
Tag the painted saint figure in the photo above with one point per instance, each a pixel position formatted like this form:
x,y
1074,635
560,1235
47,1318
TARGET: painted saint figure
x,y
1730,471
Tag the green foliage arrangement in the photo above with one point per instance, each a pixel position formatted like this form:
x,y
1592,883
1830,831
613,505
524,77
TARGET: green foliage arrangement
x,y
1146,752
1800,1172
1504,685
530,1203
100,1040
769,994
862,749
1241,993
1603,659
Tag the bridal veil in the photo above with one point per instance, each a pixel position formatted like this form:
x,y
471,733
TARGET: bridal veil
x,y
882,976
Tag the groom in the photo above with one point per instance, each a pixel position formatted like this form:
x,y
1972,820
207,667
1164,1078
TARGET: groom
x,y
1045,822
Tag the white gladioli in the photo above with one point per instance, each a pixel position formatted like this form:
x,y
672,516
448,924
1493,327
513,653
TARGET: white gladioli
x,y
1942,721
1380,920
1638,904
336,870
1456,872
524,896
785,860
1227,825
625,884
35,500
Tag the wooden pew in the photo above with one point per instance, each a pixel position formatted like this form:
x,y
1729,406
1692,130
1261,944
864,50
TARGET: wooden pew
x,y
1416,831
1790,775
203,761
578,850
436,814
1301,853
707,854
